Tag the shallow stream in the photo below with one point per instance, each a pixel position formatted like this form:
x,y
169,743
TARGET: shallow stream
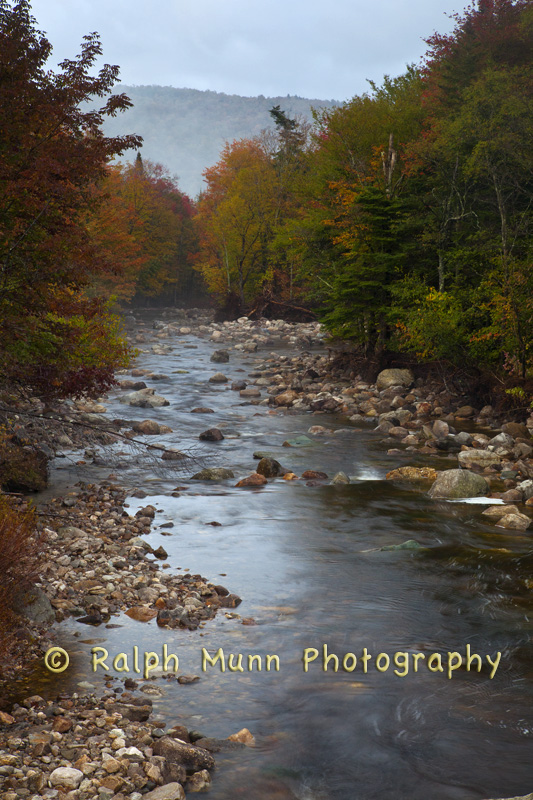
x,y
307,564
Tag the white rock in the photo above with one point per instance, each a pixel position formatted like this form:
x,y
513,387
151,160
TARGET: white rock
x,y
66,776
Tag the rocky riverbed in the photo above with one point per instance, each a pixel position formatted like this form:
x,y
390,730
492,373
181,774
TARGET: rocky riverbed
x,y
99,560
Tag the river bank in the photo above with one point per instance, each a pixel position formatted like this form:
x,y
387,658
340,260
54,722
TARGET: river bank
x,y
280,385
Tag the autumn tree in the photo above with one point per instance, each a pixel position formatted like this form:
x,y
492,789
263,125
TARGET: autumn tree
x,y
143,231
52,154
235,217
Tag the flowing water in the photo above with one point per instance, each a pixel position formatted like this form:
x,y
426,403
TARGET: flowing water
x,y
307,563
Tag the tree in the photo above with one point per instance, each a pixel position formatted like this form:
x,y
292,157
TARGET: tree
x,y
143,230
52,155
350,232
235,218
474,168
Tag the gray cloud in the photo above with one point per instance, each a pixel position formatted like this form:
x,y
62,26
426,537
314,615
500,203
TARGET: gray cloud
x,y
271,47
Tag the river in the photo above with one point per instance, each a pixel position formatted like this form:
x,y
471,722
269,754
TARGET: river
x,y
307,564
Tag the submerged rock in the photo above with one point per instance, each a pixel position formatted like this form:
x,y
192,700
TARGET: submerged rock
x,y
211,435
218,377
298,441
145,398
340,478
410,544
220,357
213,474
255,479
519,522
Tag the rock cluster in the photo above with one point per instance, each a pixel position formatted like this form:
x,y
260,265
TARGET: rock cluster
x,y
98,563
81,747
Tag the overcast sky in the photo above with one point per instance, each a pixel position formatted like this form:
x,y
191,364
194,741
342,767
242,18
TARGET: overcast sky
x,y
323,50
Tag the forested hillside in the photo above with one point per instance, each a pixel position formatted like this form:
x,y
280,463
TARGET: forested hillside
x,y
406,216
185,129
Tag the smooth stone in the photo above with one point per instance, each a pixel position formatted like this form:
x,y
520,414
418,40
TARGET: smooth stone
x,y
459,483
496,512
394,377
170,791
211,435
517,522
68,777
218,377
269,467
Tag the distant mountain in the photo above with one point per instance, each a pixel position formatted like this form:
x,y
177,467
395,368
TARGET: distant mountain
x,y
185,129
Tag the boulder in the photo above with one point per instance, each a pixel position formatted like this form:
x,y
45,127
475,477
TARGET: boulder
x,y
218,377
496,512
465,412
148,427
478,458
199,781
502,440
22,468
250,391
519,522
211,435
213,474
526,487
170,791
255,479
459,483
244,737
286,398
172,454
220,357
34,604
394,377
269,467
516,430
312,474
440,429
186,755
68,777
448,444
145,398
